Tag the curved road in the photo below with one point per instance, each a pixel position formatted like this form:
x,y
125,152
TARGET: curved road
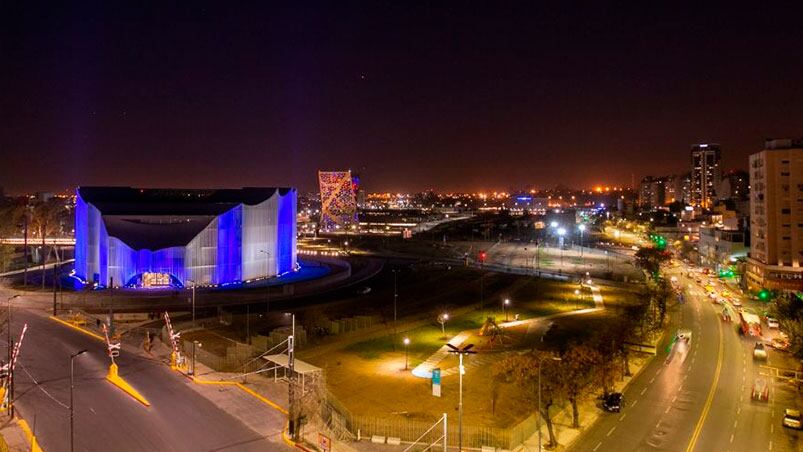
x,y
700,403
179,418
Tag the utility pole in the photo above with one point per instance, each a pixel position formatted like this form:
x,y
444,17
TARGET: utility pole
x,y
72,387
291,396
460,370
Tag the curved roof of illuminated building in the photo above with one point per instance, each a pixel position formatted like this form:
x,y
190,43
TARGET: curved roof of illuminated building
x,y
157,218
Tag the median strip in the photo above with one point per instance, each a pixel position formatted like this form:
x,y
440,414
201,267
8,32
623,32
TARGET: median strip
x,y
78,328
244,388
118,381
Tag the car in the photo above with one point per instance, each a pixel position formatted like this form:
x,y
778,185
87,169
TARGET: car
x,y
684,335
772,323
759,352
761,390
780,344
736,303
613,402
364,290
791,419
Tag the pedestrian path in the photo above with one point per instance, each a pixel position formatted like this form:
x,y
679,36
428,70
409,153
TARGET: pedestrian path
x,y
424,370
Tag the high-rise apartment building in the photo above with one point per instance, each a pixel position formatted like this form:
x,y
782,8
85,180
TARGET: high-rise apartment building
x,y
776,216
651,192
705,174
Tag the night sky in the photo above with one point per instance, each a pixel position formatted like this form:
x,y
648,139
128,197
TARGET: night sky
x,y
453,97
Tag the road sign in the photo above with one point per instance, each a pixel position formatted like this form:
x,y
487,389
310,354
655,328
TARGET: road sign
x,y
436,382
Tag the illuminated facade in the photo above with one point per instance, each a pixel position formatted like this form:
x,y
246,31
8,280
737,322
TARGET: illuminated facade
x,y
338,199
705,174
158,237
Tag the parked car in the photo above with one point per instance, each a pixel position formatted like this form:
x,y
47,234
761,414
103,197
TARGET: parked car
x,y
772,322
761,390
613,402
759,352
791,419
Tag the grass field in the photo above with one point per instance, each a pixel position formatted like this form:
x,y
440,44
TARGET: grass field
x,y
368,376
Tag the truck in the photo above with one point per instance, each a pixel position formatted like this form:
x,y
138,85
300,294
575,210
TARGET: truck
x,y
751,324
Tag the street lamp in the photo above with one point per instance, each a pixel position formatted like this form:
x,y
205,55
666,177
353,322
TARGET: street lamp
x,y
395,307
194,345
72,386
442,320
406,343
461,370
540,364
505,305
193,301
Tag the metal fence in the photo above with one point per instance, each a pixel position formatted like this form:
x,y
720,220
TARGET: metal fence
x,y
339,418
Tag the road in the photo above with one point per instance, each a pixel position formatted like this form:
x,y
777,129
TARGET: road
x,y
701,403
179,418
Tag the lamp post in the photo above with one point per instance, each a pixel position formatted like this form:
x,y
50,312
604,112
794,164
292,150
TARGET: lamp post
x,y
461,370
540,363
72,386
192,367
10,347
561,233
406,343
442,320
505,305
193,301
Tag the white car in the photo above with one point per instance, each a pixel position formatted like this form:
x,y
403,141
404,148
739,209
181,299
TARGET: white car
x,y
791,419
736,303
772,323
759,352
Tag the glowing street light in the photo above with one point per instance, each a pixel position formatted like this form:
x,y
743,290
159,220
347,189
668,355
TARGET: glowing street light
x,y
505,305
561,233
442,320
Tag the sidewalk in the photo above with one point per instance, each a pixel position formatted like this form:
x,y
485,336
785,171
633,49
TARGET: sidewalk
x,y
589,413
13,435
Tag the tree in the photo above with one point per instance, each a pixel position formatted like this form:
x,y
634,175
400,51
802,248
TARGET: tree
x,y
580,368
522,370
789,312
650,259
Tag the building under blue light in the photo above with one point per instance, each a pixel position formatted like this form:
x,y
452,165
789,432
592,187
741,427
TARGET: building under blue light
x,y
165,237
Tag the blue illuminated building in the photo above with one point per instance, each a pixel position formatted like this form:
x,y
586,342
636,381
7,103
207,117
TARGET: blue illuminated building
x,y
166,237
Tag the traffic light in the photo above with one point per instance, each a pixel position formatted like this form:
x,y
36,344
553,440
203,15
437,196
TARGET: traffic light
x,y
763,294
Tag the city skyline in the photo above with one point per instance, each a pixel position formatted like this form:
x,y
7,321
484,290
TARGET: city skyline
x,y
412,98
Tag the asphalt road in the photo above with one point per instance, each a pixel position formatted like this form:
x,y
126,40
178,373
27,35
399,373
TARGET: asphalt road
x,y
700,403
179,418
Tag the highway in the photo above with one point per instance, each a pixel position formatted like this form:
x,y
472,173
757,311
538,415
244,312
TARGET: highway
x,y
701,403
179,418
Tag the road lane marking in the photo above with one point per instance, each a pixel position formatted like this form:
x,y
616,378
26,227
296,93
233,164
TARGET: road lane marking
x,y
731,437
674,398
735,423
622,417
770,444
643,391
709,400
667,409
634,402
611,430
597,446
